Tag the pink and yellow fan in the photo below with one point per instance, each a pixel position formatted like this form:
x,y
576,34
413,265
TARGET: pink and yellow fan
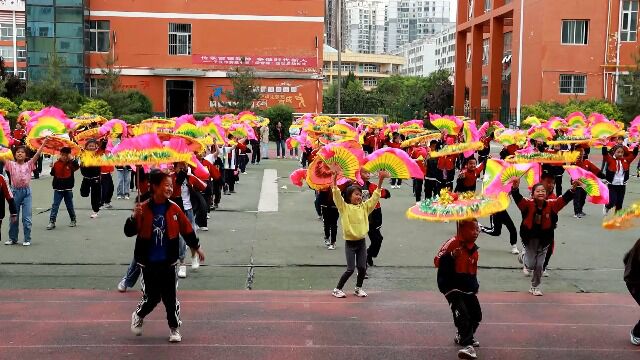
x,y
348,162
598,192
5,133
576,119
451,124
6,154
504,182
624,219
297,176
540,133
532,121
449,206
555,123
561,157
344,130
458,148
604,130
395,161
318,175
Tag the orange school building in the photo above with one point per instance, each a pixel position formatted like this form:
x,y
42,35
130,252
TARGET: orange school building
x,y
181,53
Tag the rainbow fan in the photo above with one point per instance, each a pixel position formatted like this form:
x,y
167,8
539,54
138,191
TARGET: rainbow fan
x,y
598,193
114,128
458,148
47,122
423,138
451,125
596,118
603,130
576,119
540,133
456,207
343,129
395,161
470,131
160,123
562,140
493,169
297,176
87,120
348,162
318,175
502,183
555,123
323,120
532,121
623,219
561,157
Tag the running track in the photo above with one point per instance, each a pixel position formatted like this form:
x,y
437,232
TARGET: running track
x,y
90,324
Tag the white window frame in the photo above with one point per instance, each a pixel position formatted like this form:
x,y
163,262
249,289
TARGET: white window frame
x,y
22,74
573,31
485,52
487,6
572,88
629,33
6,52
94,32
21,53
6,31
181,46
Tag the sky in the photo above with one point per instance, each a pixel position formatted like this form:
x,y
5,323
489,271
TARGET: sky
x,y
454,9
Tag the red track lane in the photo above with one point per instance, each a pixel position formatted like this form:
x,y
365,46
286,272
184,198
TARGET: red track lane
x,y
85,324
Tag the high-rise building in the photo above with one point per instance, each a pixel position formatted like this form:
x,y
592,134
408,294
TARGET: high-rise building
x,y
365,24
415,19
420,57
571,49
12,40
445,49
331,22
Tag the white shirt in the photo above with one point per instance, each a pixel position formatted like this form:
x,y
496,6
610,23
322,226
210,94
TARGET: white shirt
x,y
618,178
186,197
229,163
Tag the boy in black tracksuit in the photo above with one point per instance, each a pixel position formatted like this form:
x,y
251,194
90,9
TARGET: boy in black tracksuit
x,y
330,217
632,279
375,218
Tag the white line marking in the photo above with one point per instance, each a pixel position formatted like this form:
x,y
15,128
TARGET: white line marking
x,y
231,17
269,191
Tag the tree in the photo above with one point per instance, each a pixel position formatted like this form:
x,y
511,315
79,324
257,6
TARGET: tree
x,y
96,107
10,85
278,113
110,80
245,90
630,102
440,98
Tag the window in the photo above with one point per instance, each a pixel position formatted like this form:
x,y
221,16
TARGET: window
x,y
484,91
487,5
575,32
99,35
6,52
468,56
20,33
470,13
179,39
508,38
94,85
22,74
370,82
485,52
371,68
629,27
6,31
573,84
22,53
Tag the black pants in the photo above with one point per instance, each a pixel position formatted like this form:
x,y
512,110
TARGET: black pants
x,y
255,153
635,292
132,183
229,180
160,282
549,253
316,204
216,190
395,181
482,159
38,170
91,187
579,199
558,185
495,228
616,196
375,236
356,253
467,315
243,160
330,216
106,184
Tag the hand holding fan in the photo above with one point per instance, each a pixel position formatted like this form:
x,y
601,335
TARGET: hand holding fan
x,y
395,161
597,192
348,162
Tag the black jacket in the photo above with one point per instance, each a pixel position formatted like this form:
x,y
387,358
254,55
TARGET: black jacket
x,y
632,265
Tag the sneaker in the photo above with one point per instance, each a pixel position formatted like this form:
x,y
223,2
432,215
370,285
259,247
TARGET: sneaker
x,y
331,247
73,223
182,271
456,340
244,173
195,262
576,216
108,206
359,292
582,214
526,271
51,226
227,193
535,291
208,217
122,286
327,242
136,324
520,257
126,197
604,210
10,242
338,293
93,215
546,273
26,243
119,198
634,339
174,336
467,353
204,228
514,250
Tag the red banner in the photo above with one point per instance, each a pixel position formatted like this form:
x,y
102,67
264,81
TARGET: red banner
x,y
257,61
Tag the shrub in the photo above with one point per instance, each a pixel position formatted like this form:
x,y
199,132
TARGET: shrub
x,y
280,112
134,119
96,107
130,102
8,105
545,110
31,105
201,116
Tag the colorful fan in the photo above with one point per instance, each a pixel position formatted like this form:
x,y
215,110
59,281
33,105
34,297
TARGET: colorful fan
x,y
6,154
145,149
490,127
455,207
5,132
555,123
603,130
345,130
199,170
194,145
83,136
395,161
623,219
532,121
598,193
54,144
87,120
424,138
576,119
451,124
160,123
297,176
348,162
561,157
504,182
567,140
457,149
596,118
49,121
470,131
493,169
292,143
114,128
540,133
318,175
323,120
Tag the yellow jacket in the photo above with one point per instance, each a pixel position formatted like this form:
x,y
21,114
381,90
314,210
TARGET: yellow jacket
x,y
355,218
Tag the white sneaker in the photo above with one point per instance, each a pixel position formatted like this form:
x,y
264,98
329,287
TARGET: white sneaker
x,y
456,340
338,293
51,225
634,340
244,173
93,215
26,243
182,271
122,287
108,206
546,273
526,271
204,228
521,258
467,353
119,198
174,336
327,242
9,242
604,210
514,250
208,216
126,197
195,262
359,292
535,291
136,324
331,247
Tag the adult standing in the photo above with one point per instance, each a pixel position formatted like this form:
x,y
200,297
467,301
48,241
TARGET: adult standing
x,y
280,138
255,147
264,141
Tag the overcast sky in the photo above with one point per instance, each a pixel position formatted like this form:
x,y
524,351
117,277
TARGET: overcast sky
x,y
454,9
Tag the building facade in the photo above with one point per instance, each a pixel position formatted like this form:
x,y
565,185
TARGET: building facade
x,y
367,68
571,49
13,48
445,49
415,19
183,54
365,26
420,57
331,22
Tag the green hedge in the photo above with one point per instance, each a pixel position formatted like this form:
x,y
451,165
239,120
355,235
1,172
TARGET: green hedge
x,y
545,110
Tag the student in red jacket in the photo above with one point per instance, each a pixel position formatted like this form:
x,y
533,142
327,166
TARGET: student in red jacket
x,y
63,181
468,177
581,195
375,218
158,224
617,164
537,227
457,264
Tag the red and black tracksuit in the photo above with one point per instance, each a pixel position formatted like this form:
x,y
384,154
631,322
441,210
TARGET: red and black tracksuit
x,y
612,165
632,277
375,221
159,279
470,179
457,266
91,186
